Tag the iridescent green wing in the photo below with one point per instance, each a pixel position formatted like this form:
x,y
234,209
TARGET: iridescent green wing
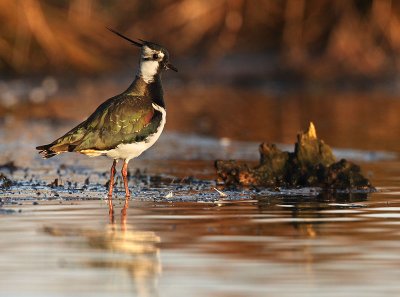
x,y
122,119
126,120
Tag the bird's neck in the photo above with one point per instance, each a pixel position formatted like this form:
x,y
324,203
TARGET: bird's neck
x,y
152,89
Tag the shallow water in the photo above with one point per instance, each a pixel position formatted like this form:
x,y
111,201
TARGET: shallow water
x,y
254,247
180,237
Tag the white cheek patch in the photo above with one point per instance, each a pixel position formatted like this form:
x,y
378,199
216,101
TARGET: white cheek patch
x,y
148,69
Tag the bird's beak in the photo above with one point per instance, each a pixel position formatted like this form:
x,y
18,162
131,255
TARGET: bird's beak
x,y
172,67
126,38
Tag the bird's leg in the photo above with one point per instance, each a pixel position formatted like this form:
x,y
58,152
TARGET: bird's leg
x,y
124,172
111,187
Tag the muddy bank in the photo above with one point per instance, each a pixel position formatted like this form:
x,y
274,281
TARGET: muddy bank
x,y
68,183
182,164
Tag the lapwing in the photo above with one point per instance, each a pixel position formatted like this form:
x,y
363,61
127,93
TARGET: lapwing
x,y
126,125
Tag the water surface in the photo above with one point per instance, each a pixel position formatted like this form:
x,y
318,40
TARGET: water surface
x,y
180,237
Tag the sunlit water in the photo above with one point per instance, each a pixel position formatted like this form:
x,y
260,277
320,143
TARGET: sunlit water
x,y
180,237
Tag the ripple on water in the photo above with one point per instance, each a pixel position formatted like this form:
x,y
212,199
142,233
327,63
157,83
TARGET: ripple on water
x,y
308,220
383,215
341,211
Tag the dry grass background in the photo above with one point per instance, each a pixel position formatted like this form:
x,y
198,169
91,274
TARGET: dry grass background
x,y
316,37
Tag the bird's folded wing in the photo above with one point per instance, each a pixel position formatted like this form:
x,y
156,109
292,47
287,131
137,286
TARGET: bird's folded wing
x,y
119,120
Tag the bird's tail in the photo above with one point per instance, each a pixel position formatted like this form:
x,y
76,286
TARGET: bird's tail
x,y
46,151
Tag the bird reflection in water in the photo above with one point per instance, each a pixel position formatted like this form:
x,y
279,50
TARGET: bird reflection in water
x,y
124,212
135,251
143,264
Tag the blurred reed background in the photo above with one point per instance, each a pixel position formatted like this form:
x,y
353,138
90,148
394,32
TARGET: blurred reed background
x,y
285,54
318,37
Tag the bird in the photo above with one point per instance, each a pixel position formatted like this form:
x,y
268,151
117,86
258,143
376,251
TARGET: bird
x,y
126,125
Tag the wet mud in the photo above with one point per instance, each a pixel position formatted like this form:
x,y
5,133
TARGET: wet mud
x,y
179,168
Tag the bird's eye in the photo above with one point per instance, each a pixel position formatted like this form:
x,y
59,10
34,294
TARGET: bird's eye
x,y
155,56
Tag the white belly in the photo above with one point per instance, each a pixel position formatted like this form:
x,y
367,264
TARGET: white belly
x,y
133,150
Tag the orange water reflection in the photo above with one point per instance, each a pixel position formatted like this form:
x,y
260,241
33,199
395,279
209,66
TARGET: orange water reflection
x,y
346,120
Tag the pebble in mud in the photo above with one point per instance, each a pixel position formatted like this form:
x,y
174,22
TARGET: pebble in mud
x,y
54,183
5,182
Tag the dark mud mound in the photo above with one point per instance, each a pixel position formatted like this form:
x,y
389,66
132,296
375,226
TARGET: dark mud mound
x,y
312,164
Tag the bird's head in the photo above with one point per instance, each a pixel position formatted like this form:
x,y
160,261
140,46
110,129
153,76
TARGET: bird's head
x,y
153,58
